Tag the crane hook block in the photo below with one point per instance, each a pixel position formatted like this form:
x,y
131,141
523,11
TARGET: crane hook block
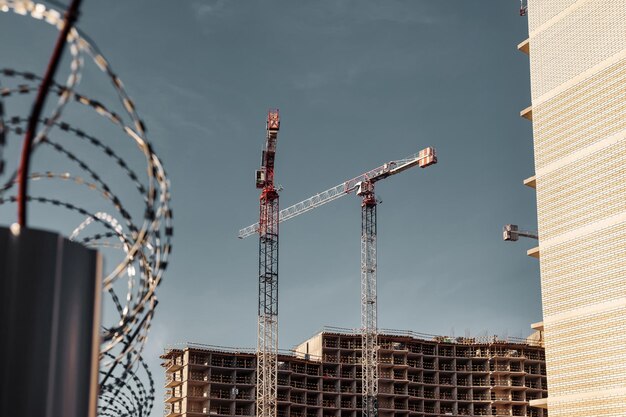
x,y
427,157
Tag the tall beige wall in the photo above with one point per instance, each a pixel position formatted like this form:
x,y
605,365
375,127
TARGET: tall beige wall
x,y
578,79
312,347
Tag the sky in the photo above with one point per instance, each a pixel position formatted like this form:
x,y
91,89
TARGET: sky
x,y
358,83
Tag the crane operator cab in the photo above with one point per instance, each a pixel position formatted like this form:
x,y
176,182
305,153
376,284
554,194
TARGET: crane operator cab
x,y
260,178
365,188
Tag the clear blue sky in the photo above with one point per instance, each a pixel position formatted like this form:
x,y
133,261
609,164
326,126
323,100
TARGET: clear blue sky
x,y
358,83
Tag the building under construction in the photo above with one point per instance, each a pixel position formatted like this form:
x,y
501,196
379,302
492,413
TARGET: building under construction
x,y
419,376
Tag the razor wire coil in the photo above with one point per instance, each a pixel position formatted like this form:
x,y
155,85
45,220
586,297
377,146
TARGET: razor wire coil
x,y
142,241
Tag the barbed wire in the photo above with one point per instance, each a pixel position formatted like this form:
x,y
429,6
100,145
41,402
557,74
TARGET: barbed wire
x,y
139,242
126,395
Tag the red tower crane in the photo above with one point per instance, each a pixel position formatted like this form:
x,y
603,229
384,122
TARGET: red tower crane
x,y
267,331
363,185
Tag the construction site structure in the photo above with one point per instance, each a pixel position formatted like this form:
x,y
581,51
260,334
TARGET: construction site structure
x,y
577,51
267,330
419,376
363,185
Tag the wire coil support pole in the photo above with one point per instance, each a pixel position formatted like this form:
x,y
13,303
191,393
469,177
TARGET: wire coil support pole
x,y
369,321
71,15
267,343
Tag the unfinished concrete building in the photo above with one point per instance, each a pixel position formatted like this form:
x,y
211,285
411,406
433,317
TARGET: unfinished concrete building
x,y
577,52
419,376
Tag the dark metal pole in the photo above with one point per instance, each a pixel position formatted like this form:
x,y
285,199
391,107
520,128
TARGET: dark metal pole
x,y
71,15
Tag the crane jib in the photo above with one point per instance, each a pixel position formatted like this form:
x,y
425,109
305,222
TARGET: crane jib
x,y
424,158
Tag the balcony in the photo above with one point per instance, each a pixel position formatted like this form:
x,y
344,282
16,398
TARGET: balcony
x,y
222,395
225,411
247,380
524,47
415,407
298,384
224,379
197,393
539,403
223,362
172,410
527,113
350,345
312,401
297,368
500,368
172,395
312,370
297,399
197,409
428,350
533,252
445,367
531,182
415,349
198,360
501,398
329,403
446,352
331,344
414,364
349,360
173,380
174,364
429,380
387,360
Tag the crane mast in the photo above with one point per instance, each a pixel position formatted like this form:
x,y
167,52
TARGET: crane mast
x,y
267,331
363,186
369,309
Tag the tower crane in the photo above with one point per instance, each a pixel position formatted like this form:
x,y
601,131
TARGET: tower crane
x,y
363,186
267,330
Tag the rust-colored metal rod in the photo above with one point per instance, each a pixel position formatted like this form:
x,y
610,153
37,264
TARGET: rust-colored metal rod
x,y
71,14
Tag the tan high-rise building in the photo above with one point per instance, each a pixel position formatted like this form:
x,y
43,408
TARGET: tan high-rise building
x,y
577,54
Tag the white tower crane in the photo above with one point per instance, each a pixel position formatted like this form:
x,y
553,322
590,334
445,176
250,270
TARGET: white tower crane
x,y
363,185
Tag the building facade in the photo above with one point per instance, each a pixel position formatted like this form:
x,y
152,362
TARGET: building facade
x,y
577,52
418,377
